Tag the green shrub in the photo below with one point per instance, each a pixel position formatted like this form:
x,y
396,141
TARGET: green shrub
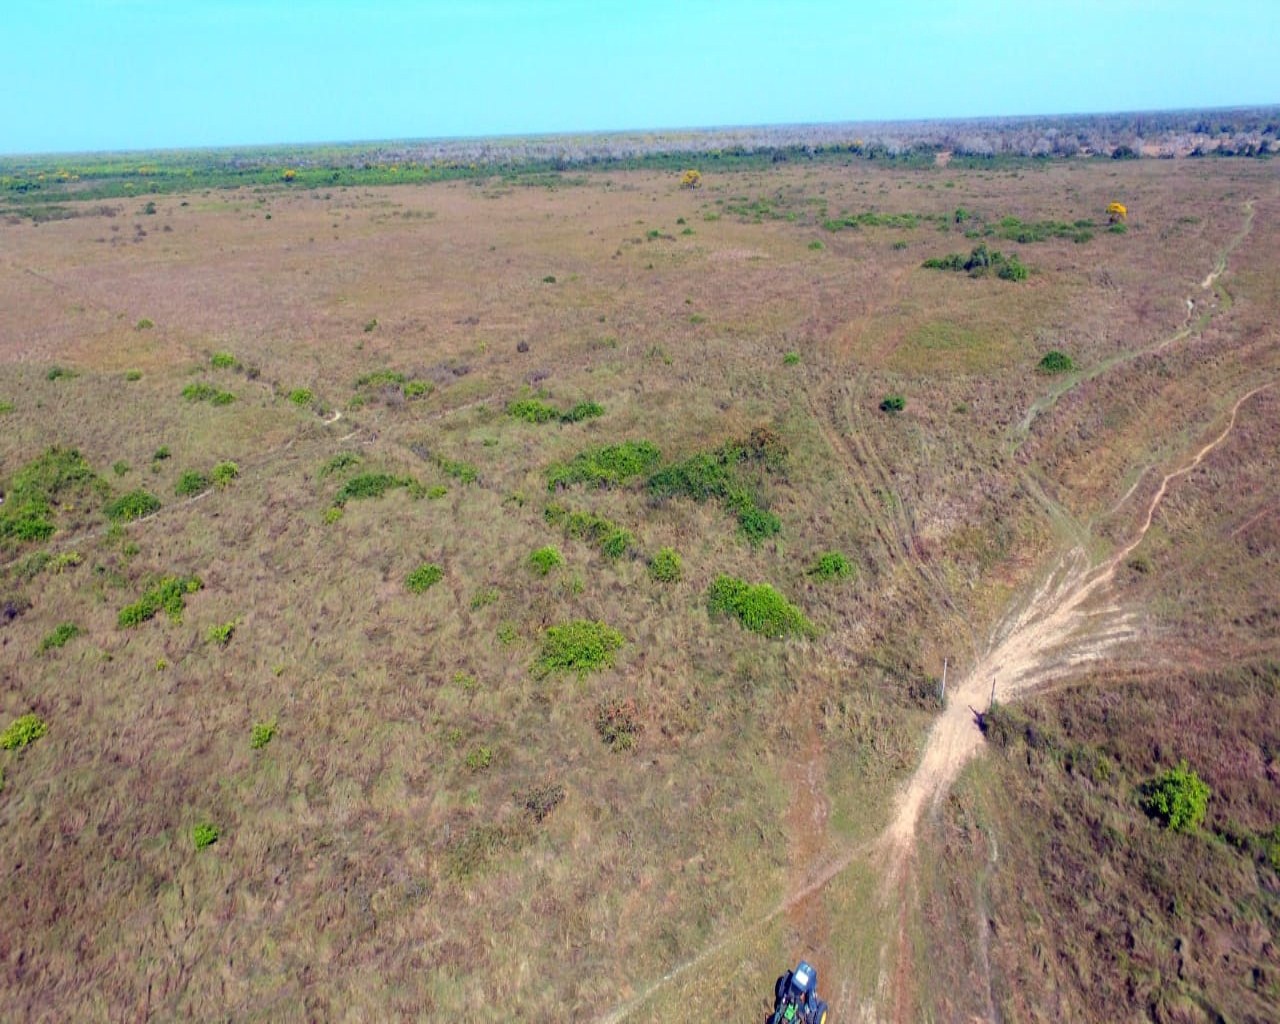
x,y
381,379
341,461
120,468
831,566
332,514
580,646
370,325
549,279
461,471
614,540
618,723
979,262
191,483
220,635
133,375
161,453
1056,362
479,759
437,491
1178,798
582,411
5,407
131,506
224,473
370,485
816,246
1118,228
202,392
144,324
22,731
418,388
791,359
301,396
223,361
39,485
507,634
423,578
892,403
168,595
204,834
263,733
758,607
666,566
545,559
59,373
533,411
59,637
607,466
754,523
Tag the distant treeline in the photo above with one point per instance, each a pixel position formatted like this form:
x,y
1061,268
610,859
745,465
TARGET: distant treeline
x,y
31,183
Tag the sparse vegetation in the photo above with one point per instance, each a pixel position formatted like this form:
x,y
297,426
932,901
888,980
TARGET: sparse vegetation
x,y
340,462
612,539
533,410
60,636
199,391
372,485
169,595
618,723
49,480
221,634
980,262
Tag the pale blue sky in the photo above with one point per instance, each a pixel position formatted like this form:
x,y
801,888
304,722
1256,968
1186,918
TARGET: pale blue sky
x,y
126,74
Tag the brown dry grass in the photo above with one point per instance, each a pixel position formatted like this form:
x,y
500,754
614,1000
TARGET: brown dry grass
x,y
364,870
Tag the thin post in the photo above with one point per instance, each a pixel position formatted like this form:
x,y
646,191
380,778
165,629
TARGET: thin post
x,y
942,688
992,701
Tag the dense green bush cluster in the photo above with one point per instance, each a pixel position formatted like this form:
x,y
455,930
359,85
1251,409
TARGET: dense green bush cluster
x,y
711,475
758,607
168,595
533,410
893,403
979,262
199,391
133,505
372,485
22,731
27,512
666,566
614,540
580,646
1056,362
605,467
423,578
1177,797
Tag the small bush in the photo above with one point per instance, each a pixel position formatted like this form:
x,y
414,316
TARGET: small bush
x,y
132,376
545,559
59,373
220,635
816,246
341,461
666,566
979,262
201,392
507,634
892,403
5,407
1056,362
143,325
484,597
223,361
161,453
463,472
131,506
60,636
332,514
437,491
423,578
831,566
1118,228
168,595
540,801
301,396
1178,798
605,467
224,473
618,723
533,411
22,731
371,325
418,388
370,485
614,540
549,279
758,607
581,646
120,468
263,733
191,483
204,834
479,759
791,359
582,411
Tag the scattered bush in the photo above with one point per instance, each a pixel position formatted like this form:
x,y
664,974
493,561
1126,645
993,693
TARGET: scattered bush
x,y
816,246
168,595
545,559
534,411
204,834
1056,362
831,566
463,472
581,646
371,485
507,634
614,540
332,514
618,723
191,483
22,731
666,566
1178,798
224,473
199,391
131,506
341,461
223,361
263,733
143,325
758,607
423,578
220,635
60,636
605,467
979,262
549,279
892,403
418,388
301,396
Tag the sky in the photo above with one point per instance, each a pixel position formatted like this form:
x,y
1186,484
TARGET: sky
x,y
139,74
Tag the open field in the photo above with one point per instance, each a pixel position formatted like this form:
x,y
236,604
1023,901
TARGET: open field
x,y
444,812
